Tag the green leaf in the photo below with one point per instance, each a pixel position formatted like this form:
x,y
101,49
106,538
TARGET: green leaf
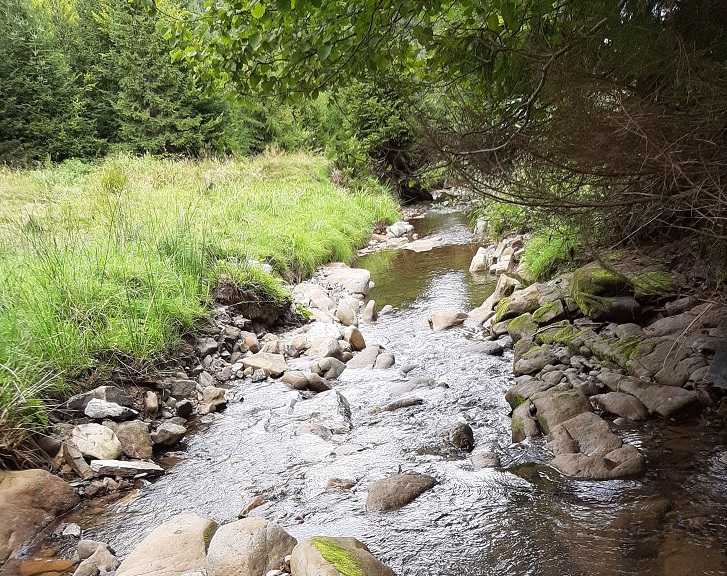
x,y
254,40
324,51
282,5
258,11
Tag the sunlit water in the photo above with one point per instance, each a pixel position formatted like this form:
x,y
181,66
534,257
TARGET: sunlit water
x,y
522,519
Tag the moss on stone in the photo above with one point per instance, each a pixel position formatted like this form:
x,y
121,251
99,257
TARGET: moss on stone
x,y
598,281
522,327
340,558
655,283
548,312
629,345
515,400
208,533
501,309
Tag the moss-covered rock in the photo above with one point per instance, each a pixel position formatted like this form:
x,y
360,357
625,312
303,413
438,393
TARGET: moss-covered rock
x,y
549,312
522,327
597,281
654,283
326,556
609,308
501,310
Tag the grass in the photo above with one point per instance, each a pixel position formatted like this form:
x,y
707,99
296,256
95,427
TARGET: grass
x,y
549,250
118,258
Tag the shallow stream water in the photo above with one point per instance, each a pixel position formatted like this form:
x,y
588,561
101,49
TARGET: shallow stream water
x,y
521,519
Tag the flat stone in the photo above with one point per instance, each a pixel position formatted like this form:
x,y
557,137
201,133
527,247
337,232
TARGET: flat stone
x,y
125,468
273,364
96,441
524,388
396,491
366,358
296,379
100,409
326,347
445,320
135,439
533,361
489,348
326,556
554,407
168,434
354,280
666,401
113,394
620,404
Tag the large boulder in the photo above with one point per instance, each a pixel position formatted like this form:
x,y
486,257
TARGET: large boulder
x,y
272,364
555,406
135,439
324,556
669,402
354,280
96,441
396,491
29,500
248,547
620,404
176,547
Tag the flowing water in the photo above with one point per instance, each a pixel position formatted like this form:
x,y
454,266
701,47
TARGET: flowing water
x,y
521,519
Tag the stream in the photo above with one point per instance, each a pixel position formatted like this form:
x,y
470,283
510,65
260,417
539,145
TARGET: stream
x,y
523,518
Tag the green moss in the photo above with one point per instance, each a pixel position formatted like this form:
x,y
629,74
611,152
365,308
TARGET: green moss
x,y
515,400
592,306
340,558
522,327
656,283
501,309
548,312
208,533
598,281
628,346
518,426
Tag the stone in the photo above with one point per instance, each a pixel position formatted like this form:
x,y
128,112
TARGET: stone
x,y
346,314
445,320
556,406
250,505
316,383
248,547
86,548
296,379
329,409
666,401
274,347
717,375
534,360
624,462
396,491
113,394
523,424
313,295
213,400
424,245
369,313
273,364
74,458
485,459
399,229
611,308
353,336
168,434
387,309
315,429
100,409
177,546
29,501
488,348
620,404
184,409
325,347
102,561
206,346
384,361
180,388
325,556
628,330
522,327
151,402
548,313
402,403
251,342
135,439
462,437
125,468
479,261
328,368
96,441
478,317
354,280
366,358
524,388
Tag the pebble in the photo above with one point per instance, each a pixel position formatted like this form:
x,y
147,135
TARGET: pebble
x,y
72,530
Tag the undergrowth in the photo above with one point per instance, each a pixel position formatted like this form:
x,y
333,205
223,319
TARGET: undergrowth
x,y
119,258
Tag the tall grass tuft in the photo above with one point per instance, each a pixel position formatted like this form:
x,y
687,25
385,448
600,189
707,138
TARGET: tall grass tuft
x,y
119,258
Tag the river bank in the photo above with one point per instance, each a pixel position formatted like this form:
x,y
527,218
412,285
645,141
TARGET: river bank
x,y
280,448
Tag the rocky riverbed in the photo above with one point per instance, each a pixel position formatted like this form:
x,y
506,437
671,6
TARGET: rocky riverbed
x,y
407,431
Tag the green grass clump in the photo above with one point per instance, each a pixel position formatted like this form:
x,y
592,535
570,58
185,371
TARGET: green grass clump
x,y
118,259
340,558
655,283
548,251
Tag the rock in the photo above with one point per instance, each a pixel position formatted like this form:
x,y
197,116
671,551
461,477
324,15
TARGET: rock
x,y
324,556
251,342
354,280
624,462
346,314
96,441
523,424
315,429
717,375
444,320
313,295
488,348
184,409
402,403
86,548
177,546
340,484
113,394
254,502
180,388
100,409
387,309
325,348
329,368
206,346
534,360
248,547
329,409
369,313
353,336
462,437
29,501
396,491
399,229
628,330
620,404
213,400
102,561
666,401
74,458
135,439
610,308
316,383
151,402
125,468
168,434
522,327
296,379
524,388
554,407
274,347
479,262
366,358
420,245
384,361
273,364
690,322
478,317
485,459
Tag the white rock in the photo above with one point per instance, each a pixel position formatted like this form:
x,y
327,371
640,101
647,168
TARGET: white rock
x,y
99,409
479,262
96,441
125,468
354,280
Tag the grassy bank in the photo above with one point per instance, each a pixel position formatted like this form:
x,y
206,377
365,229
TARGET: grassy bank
x,y
118,258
